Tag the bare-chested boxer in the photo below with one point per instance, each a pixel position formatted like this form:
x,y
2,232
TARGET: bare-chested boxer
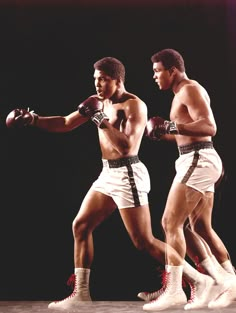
x,y
191,196
124,183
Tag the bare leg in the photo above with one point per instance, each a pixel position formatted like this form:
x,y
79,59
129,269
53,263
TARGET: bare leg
x,y
95,208
197,249
180,203
138,224
201,223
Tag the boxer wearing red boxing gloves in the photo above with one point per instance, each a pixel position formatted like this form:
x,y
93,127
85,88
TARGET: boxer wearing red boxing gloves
x,y
188,211
124,181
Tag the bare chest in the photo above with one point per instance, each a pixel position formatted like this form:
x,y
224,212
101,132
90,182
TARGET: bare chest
x,y
179,111
116,115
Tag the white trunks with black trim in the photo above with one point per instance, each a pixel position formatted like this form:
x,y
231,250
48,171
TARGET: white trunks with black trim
x,y
199,166
125,180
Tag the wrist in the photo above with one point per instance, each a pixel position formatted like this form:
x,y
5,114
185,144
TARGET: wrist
x,y
172,128
34,119
98,118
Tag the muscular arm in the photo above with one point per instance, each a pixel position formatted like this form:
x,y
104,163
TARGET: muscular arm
x,y
60,123
202,121
126,140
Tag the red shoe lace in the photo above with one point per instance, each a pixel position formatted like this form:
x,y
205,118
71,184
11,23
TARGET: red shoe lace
x,y
163,275
198,266
164,278
71,281
192,292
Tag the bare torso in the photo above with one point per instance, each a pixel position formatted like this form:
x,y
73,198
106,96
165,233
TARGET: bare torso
x,y
129,118
191,104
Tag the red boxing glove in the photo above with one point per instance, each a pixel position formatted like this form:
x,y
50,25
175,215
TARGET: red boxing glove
x,y
92,108
157,127
19,118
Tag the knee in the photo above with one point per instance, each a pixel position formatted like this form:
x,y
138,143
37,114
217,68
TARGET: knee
x,y
166,224
171,225
80,229
142,243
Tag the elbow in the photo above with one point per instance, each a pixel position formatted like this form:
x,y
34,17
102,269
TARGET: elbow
x,y
211,128
212,131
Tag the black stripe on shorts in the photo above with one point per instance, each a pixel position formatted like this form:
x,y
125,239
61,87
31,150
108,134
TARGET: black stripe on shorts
x,y
191,168
133,185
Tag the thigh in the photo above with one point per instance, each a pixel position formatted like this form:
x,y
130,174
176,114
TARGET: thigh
x,y
181,202
202,214
137,221
95,208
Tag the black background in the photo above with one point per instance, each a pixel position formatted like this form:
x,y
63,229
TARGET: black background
x,y
47,51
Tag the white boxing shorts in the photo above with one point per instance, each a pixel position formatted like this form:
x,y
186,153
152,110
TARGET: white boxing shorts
x,y
125,180
199,166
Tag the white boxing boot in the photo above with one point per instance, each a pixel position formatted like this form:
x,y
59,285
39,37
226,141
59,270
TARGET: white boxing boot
x,y
204,288
225,298
80,293
149,296
172,295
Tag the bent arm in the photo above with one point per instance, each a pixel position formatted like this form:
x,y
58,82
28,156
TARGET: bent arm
x,y
126,140
198,106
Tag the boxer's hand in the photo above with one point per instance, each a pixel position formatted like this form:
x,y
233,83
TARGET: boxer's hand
x,y
92,108
19,118
157,127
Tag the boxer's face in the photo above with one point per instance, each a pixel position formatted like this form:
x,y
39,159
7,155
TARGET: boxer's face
x,y
162,76
104,84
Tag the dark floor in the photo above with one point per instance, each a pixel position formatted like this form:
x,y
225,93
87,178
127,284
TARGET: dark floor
x,y
94,307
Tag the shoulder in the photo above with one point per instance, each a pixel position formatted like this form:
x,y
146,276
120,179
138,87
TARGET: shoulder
x,y
192,85
134,103
192,88
133,106
192,93
131,99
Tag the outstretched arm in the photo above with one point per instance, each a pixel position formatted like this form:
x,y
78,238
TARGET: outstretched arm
x,y
60,124
89,109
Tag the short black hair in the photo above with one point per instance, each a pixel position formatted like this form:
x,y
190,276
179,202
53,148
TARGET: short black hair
x,y
169,58
112,67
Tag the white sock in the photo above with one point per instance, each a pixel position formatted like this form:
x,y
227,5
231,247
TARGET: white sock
x,y
192,274
82,275
174,280
228,267
220,268
213,268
